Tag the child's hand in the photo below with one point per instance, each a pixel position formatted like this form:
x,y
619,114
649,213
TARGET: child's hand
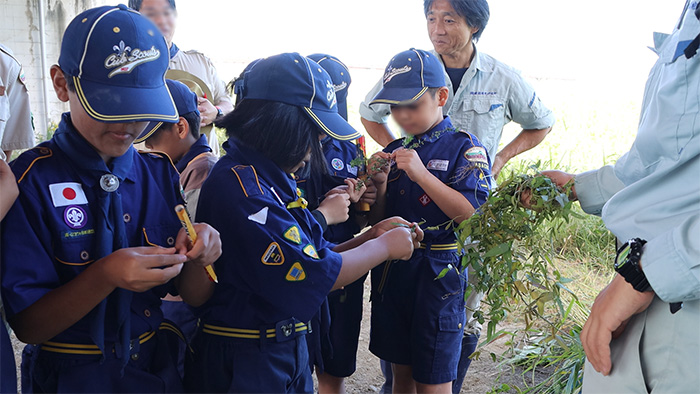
x,y
394,222
378,167
141,268
400,243
352,189
409,161
335,208
8,188
206,250
370,195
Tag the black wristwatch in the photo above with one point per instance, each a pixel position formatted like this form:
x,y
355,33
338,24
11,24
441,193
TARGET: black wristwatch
x,y
219,112
627,264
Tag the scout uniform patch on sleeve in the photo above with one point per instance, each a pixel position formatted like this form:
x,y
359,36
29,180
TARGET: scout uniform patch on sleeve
x,y
292,234
296,273
273,255
477,156
310,251
260,216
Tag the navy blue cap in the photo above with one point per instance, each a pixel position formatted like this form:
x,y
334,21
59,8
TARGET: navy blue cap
x,y
118,59
238,85
408,76
297,80
185,102
340,75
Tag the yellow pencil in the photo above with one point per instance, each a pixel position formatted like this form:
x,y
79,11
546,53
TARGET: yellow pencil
x,y
189,229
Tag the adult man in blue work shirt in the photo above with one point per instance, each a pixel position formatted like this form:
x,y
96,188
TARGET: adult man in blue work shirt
x,y
642,333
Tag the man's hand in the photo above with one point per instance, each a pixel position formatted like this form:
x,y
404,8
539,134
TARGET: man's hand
x,y
206,250
610,313
498,163
560,178
409,161
141,268
207,111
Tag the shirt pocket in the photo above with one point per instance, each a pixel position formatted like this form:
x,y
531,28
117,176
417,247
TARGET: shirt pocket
x,y
163,235
485,119
72,256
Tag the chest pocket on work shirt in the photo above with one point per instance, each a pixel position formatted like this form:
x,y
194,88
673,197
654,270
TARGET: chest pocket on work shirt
x,y
162,235
482,117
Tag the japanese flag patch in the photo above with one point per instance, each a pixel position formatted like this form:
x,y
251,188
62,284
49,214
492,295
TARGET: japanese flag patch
x,y
67,193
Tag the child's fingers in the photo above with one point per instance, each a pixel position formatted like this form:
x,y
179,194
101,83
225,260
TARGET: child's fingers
x,y
158,259
182,242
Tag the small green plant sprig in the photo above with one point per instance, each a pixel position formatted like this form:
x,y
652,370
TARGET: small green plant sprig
x,y
509,267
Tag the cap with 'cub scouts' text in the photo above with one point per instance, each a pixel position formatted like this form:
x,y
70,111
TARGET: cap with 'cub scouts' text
x,y
185,102
339,75
297,80
117,60
408,76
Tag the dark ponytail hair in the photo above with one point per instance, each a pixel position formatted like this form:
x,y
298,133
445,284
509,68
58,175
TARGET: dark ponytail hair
x,y
281,132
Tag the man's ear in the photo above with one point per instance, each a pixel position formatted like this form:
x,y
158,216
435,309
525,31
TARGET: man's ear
x,y
442,95
59,83
183,128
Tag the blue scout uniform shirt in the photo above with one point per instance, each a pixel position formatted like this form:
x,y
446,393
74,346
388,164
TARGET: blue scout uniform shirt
x,y
50,234
200,146
653,191
276,264
338,155
456,158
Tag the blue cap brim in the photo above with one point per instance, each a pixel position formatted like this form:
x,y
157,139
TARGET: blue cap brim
x,y
118,104
398,96
148,131
332,124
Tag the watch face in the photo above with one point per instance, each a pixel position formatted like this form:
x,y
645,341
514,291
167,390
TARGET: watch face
x,y
622,254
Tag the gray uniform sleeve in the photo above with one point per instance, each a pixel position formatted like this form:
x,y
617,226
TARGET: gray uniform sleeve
x,y
671,262
595,188
378,113
525,106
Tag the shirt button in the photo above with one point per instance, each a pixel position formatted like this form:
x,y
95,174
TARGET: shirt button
x,y
84,255
135,356
170,241
402,192
127,218
147,313
459,325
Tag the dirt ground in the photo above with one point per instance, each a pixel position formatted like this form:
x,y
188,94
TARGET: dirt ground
x,y
481,377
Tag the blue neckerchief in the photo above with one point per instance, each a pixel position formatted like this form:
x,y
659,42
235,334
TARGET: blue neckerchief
x,y
109,232
173,50
200,146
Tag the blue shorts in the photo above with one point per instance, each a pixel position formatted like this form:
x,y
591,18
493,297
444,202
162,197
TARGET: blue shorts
x,y
346,316
236,365
416,319
152,368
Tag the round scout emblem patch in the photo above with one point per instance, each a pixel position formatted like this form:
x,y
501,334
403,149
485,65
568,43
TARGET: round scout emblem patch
x,y
337,164
75,217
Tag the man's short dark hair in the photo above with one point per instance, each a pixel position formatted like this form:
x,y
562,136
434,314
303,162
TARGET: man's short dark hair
x,y
475,12
136,4
193,119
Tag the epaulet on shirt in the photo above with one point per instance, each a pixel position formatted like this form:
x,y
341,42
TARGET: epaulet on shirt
x,y
24,163
248,179
157,155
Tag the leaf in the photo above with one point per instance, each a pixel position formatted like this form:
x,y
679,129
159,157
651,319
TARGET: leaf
x,y
498,250
442,273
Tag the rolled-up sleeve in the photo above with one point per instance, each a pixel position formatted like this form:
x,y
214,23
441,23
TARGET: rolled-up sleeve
x,y
595,188
526,108
378,113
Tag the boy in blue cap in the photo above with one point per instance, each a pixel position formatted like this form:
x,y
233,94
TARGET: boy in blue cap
x,y
276,269
435,175
94,242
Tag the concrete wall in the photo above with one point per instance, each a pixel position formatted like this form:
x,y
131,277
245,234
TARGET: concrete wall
x,y
19,30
